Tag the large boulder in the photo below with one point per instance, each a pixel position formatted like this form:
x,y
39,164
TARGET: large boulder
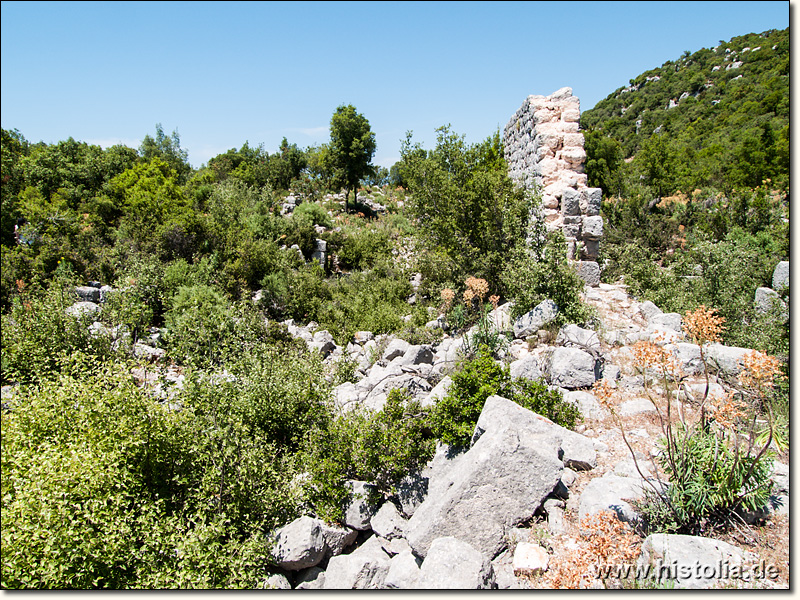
x,y
535,319
300,544
453,564
360,510
505,476
388,522
403,573
692,562
526,367
364,569
571,368
86,293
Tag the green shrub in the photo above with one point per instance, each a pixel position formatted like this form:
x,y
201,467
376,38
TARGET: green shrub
x,y
454,417
311,213
104,487
708,479
380,447
533,277
38,334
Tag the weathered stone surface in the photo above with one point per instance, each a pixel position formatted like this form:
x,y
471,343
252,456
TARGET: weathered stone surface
x,y
576,337
535,319
403,573
454,564
611,492
587,403
337,539
388,522
80,309
589,271
504,477
592,227
438,392
527,368
637,406
649,310
591,198
780,276
396,347
415,355
688,356
729,359
86,293
312,578
571,368
766,300
686,552
277,581
299,544
667,320
356,571
411,492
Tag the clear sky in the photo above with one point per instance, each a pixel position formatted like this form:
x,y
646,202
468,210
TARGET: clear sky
x,y
223,73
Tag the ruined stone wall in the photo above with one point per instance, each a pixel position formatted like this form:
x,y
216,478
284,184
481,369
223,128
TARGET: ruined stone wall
x,y
544,150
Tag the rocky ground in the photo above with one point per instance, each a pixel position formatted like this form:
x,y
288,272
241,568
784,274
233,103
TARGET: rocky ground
x,y
510,511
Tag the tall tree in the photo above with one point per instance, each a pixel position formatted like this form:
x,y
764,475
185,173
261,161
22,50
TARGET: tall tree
x,y
351,149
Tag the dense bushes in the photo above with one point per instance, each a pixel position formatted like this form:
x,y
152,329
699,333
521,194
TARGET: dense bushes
x,y
104,487
454,417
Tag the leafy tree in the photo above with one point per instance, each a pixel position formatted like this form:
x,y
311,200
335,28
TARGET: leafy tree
x,y
470,213
168,149
351,149
13,148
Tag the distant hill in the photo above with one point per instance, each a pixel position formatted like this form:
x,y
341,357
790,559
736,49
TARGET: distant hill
x,y
718,117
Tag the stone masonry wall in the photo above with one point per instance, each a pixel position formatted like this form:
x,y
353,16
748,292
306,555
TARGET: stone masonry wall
x,y
544,149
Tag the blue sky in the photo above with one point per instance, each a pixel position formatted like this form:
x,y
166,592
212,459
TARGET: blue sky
x,y
223,73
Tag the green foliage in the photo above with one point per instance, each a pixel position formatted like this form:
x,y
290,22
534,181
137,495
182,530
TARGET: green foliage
x,y
38,335
454,417
104,487
708,479
351,149
532,277
380,447
697,121
167,149
203,328
311,213
469,212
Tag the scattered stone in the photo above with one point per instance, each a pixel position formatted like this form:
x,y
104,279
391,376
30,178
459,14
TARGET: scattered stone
x,y
611,492
530,559
780,276
80,309
312,578
360,510
388,522
571,368
403,573
509,470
